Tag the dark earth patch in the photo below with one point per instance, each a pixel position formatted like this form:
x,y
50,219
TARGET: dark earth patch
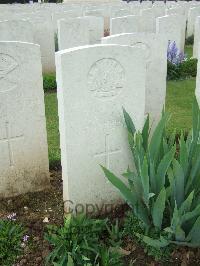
x,y
32,209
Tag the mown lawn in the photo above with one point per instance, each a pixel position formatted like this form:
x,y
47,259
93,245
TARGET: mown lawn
x,y
51,107
178,102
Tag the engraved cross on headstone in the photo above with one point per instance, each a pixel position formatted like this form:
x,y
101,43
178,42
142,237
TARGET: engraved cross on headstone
x,y
108,152
9,140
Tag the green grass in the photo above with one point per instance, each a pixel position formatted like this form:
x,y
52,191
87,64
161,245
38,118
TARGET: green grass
x,y
178,102
51,107
49,82
189,50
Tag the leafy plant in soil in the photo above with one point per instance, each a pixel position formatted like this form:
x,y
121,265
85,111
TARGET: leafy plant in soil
x,y
80,242
49,82
12,240
163,190
134,230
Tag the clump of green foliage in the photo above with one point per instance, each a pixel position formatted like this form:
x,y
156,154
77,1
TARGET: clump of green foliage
x,y
81,241
186,69
164,188
190,40
134,229
49,82
11,241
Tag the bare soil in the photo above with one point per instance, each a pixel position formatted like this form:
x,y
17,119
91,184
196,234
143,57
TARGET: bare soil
x,y
36,210
32,210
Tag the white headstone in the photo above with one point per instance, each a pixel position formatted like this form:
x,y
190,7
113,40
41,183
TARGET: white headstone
x,y
61,15
176,10
96,28
94,82
159,11
44,36
100,13
23,140
120,13
148,20
135,9
146,4
126,24
173,27
193,13
196,38
72,33
155,47
16,30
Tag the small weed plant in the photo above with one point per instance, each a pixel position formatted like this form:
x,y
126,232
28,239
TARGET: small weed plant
x,y
49,82
85,242
190,40
12,240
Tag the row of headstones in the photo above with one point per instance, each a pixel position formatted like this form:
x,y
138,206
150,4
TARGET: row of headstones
x,y
39,30
39,25
152,20
94,83
75,32
111,9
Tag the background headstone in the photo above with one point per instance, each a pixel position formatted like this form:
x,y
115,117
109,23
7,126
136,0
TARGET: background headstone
x,y
96,28
72,33
196,38
16,30
126,24
155,50
173,27
44,36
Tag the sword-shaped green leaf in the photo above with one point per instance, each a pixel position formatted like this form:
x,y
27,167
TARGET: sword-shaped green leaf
x,y
191,215
156,139
195,169
179,183
186,205
152,176
145,181
163,167
125,191
194,234
142,213
145,133
129,122
158,209
179,233
183,154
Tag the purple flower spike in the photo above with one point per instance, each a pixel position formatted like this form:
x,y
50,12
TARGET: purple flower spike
x,y
175,56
